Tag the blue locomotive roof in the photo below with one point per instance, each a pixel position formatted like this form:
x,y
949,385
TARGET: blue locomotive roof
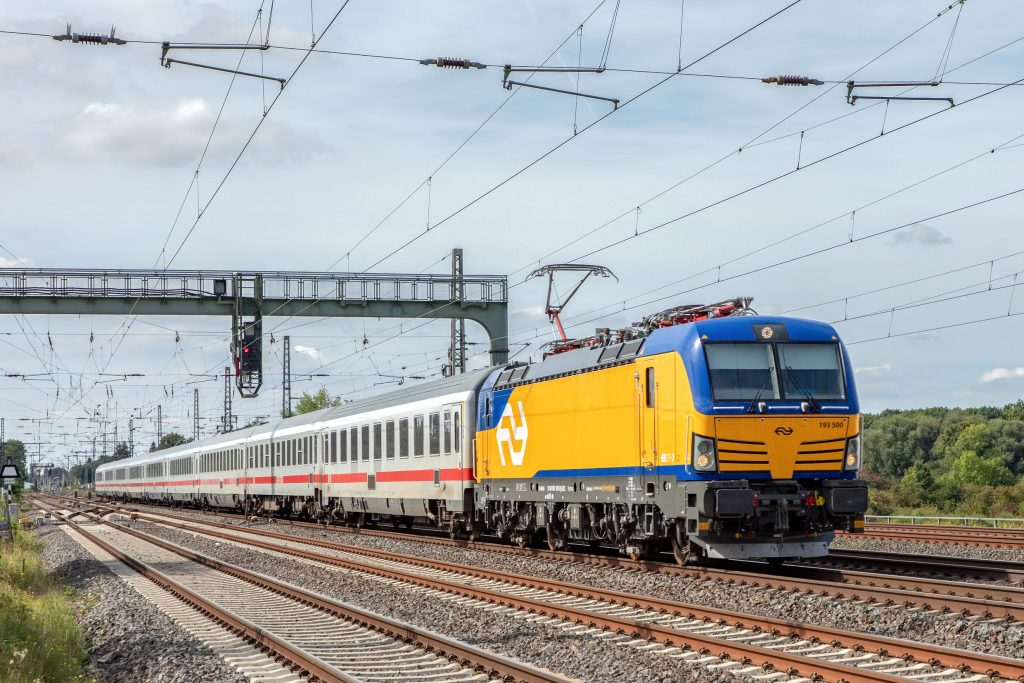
x,y
734,328
688,341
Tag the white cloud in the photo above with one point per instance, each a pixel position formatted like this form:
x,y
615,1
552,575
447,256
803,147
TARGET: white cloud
x,y
1001,373
874,372
309,351
14,263
140,135
923,234
177,135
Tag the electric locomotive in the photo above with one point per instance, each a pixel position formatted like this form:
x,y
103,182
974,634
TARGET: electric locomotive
x,y
707,429
718,432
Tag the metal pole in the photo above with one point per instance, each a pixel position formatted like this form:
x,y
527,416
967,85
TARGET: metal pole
x,y
131,435
159,424
457,351
195,415
286,385
227,420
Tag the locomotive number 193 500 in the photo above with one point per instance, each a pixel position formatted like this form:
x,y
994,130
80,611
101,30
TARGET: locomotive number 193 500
x,y
831,424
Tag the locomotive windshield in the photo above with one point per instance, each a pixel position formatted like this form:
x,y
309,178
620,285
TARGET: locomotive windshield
x,y
759,371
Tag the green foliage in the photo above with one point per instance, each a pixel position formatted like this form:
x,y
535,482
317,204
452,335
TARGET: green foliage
x,y
170,440
317,401
971,468
938,461
41,640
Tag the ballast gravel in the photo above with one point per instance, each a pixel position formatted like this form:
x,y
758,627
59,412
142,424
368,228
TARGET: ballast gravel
x,y
128,639
950,630
970,552
579,656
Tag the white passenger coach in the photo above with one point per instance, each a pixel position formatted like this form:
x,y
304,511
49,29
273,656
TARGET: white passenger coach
x,y
403,455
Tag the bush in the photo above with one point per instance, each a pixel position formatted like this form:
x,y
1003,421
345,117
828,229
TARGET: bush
x,y
40,640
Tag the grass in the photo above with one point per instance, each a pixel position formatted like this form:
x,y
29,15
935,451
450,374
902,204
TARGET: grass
x,y
40,641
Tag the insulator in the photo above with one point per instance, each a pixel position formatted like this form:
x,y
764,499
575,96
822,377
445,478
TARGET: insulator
x,y
89,38
452,63
792,80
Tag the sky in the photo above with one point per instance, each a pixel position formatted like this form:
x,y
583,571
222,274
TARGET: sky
x,y
897,221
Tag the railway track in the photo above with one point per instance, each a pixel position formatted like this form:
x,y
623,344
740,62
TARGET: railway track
x,y
322,638
975,536
669,622
952,568
982,600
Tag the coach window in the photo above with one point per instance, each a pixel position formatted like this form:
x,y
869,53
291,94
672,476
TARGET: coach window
x,y
417,435
447,431
650,387
377,441
458,431
403,437
389,439
364,438
334,446
353,443
435,433
342,445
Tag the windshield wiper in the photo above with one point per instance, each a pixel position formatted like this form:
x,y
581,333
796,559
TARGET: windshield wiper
x,y
812,402
757,396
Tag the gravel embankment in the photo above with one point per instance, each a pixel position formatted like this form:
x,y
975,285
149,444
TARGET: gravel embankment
x,y
970,552
951,630
128,639
579,656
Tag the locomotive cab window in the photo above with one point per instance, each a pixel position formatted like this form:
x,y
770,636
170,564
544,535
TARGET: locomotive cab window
x,y
742,372
811,371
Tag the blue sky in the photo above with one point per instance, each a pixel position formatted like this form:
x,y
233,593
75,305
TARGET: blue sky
x,y
99,146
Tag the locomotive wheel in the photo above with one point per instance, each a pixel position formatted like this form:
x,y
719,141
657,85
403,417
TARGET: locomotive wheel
x,y
684,556
556,538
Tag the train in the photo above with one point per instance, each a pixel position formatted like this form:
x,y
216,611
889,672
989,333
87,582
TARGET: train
x,y
707,429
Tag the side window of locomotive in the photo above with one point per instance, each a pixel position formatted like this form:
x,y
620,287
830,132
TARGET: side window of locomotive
x,y
447,431
417,435
389,439
435,433
403,437
650,387
376,441
364,437
342,445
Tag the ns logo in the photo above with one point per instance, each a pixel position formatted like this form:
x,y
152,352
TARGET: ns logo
x,y
509,433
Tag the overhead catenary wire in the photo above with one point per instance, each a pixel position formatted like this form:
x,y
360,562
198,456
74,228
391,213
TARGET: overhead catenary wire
x,y
583,130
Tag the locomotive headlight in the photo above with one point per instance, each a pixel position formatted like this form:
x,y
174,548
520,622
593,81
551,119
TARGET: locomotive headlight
x,y
852,460
703,454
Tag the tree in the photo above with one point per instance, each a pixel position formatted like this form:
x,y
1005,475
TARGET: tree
x,y
122,451
170,440
317,401
971,468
